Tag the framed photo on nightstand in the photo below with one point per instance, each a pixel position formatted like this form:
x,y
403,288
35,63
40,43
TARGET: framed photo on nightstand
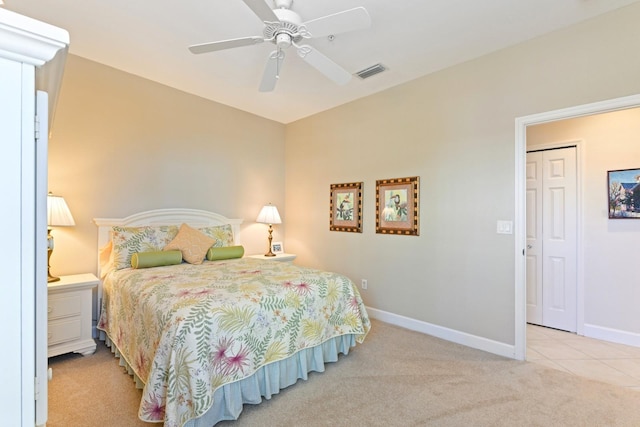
x,y
277,247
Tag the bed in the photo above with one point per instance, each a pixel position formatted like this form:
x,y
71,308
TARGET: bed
x,y
203,338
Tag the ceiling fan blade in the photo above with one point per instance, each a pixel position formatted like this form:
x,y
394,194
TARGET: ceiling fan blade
x,y
272,71
341,22
323,64
224,44
262,9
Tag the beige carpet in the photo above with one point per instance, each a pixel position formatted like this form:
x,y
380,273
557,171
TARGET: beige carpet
x,y
396,378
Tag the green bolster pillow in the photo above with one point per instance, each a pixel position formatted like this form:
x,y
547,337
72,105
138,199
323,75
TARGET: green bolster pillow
x,y
227,252
155,259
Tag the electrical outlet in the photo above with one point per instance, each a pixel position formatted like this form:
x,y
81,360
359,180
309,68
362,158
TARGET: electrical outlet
x,y
364,283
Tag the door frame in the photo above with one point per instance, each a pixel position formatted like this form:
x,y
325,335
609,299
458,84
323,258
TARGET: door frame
x,y
521,124
579,145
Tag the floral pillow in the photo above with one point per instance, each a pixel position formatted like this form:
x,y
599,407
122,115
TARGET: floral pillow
x,y
222,234
129,240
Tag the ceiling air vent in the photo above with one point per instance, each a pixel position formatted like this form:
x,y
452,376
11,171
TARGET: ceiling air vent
x,y
371,71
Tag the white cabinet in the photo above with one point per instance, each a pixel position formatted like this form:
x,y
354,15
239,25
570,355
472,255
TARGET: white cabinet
x,y
69,315
26,46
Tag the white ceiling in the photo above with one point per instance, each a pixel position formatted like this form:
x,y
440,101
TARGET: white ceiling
x,y
411,38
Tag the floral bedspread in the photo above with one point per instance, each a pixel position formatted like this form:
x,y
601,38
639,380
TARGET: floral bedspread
x,y
186,330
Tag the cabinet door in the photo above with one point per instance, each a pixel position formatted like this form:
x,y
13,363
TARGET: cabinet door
x,y
17,230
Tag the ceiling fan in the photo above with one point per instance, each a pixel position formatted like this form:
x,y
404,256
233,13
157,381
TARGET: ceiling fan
x,y
284,28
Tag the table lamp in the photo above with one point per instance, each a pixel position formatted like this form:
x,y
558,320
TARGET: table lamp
x,y
269,215
58,215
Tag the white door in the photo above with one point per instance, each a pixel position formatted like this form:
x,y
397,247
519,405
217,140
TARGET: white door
x,y
533,173
41,306
552,238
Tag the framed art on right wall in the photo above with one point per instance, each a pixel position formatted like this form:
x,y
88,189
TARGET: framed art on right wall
x,y
397,206
624,193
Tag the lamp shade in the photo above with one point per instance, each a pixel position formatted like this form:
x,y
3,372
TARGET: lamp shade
x,y
269,215
58,213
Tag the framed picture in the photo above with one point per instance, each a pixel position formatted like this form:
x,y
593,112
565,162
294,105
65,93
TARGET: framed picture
x,y
345,207
397,202
277,248
624,193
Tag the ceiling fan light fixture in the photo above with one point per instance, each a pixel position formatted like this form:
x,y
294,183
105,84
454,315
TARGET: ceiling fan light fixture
x,y
283,40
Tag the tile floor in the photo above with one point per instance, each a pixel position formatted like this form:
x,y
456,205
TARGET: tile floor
x,y
587,357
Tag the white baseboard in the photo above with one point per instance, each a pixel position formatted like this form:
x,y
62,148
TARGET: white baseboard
x,y
612,335
447,334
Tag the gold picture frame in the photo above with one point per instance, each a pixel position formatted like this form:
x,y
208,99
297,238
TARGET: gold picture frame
x,y
397,206
345,207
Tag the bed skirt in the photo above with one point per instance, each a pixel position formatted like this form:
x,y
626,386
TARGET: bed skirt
x,y
265,382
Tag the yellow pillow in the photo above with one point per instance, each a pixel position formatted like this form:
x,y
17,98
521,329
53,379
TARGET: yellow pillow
x,y
192,243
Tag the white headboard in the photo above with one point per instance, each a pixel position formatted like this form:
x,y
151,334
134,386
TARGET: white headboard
x,y
193,217
177,216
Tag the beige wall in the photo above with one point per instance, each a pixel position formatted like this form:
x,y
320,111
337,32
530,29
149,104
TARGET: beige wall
x,y
122,144
611,251
455,129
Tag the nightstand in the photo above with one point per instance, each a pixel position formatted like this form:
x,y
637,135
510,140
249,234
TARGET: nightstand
x,y
69,315
279,257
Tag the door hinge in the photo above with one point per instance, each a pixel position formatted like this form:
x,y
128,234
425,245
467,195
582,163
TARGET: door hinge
x,y
37,127
36,384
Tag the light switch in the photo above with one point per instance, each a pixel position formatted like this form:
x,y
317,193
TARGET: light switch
x,y
504,227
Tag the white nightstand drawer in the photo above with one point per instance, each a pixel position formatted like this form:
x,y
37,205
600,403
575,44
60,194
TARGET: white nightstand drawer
x,y
64,330
64,305
69,306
